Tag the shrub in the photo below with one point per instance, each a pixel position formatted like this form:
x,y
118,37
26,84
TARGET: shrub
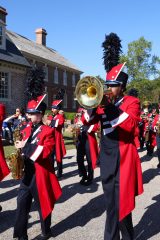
x,y
69,115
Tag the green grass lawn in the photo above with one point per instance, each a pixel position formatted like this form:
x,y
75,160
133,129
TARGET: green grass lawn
x,y
67,139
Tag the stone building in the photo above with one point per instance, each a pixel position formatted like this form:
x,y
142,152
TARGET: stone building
x,y
18,54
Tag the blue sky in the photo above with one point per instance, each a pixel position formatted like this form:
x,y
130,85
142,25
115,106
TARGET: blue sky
x,y
77,28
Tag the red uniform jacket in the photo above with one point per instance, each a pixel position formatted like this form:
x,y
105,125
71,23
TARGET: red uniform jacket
x,y
93,146
57,122
39,151
94,149
156,119
126,122
136,140
152,134
4,170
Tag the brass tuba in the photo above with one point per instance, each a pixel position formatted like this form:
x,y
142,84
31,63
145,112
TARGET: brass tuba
x,y
89,92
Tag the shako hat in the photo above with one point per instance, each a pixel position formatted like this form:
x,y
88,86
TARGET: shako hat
x,y
111,55
36,105
56,104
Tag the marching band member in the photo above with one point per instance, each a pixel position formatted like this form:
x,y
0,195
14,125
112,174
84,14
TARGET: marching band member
x,y
86,145
39,181
56,121
150,136
156,126
154,111
4,170
120,166
141,130
134,92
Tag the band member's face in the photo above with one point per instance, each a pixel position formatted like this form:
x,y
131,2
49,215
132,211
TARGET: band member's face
x,y
116,91
35,117
18,111
55,111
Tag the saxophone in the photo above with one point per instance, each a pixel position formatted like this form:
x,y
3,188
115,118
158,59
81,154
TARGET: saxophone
x,y
148,130
76,130
15,160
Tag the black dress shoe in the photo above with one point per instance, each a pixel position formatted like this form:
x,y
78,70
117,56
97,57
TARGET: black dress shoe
x,y
44,236
89,181
158,166
0,208
59,175
83,180
23,238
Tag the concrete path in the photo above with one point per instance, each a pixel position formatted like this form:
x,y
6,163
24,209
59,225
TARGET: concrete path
x,y
80,213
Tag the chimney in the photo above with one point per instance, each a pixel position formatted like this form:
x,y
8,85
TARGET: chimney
x,y
3,14
41,36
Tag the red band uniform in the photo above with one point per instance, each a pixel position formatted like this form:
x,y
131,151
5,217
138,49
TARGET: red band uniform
x,y
156,127
120,166
150,135
86,146
4,170
57,123
141,130
39,181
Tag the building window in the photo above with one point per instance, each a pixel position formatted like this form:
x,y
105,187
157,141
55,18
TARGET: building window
x,y
45,69
56,75
33,63
1,35
74,104
73,80
46,97
65,78
4,85
54,97
65,101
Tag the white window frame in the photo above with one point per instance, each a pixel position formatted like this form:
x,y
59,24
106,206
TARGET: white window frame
x,y
73,80
46,97
1,35
45,68
65,78
3,45
54,97
55,77
65,104
33,64
74,104
9,86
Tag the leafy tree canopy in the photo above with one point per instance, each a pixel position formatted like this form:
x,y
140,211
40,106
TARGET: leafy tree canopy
x,y
140,62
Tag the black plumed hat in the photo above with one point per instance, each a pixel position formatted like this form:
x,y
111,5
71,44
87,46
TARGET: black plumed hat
x,y
111,55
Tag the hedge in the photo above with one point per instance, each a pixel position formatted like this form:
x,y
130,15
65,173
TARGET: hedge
x,y
67,115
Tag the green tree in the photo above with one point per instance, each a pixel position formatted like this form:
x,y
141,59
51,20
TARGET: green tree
x,y
147,89
140,63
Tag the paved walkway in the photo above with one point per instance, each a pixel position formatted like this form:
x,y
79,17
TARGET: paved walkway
x,y
80,213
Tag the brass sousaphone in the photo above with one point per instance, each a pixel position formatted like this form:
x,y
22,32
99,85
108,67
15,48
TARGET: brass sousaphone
x,y
89,92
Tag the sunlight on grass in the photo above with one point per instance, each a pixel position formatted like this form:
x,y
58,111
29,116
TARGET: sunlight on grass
x,y
67,139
